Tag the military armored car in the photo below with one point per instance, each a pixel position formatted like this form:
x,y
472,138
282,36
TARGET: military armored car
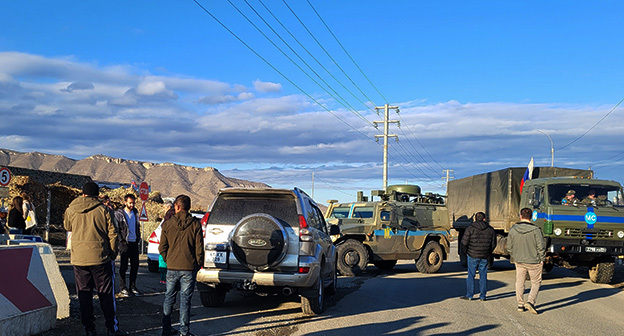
x,y
403,224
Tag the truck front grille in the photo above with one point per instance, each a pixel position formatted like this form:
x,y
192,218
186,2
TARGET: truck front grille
x,y
588,233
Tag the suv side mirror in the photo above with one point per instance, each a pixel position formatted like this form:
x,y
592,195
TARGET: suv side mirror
x,y
334,230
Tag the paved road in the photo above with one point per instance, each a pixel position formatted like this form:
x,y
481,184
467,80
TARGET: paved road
x,y
398,302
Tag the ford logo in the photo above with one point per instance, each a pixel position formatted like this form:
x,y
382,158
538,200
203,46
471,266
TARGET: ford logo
x,y
257,242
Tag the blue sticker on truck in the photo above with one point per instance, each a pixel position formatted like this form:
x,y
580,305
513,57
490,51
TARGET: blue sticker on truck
x,y
388,233
580,218
590,218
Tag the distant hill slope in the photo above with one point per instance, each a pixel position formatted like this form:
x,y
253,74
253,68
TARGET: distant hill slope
x,y
201,184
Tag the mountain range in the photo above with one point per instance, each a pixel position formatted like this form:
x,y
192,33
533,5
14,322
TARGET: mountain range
x,y
170,179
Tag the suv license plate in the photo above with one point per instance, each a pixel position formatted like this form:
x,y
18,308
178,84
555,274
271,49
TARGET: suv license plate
x,y
216,257
596,249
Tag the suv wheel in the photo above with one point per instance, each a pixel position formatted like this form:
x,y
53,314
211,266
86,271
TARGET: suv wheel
x,y
152,265
331,289
430,260
316,304
352,258
259,241
213,297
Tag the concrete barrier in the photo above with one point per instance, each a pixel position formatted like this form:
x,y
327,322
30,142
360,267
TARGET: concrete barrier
x,y
27,302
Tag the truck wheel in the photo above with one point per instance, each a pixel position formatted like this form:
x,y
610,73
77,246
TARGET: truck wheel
x,y
430,260
316,304
152,265
602,272
548,268
214,297
352,258
385,264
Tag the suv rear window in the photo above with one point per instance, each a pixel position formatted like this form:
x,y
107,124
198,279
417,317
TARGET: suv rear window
x,y
229,209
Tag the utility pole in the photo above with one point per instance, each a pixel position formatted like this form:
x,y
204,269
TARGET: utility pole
x,y
385,136
312,185
447,178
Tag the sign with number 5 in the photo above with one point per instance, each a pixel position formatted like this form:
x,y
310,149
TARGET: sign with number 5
x,y
5,177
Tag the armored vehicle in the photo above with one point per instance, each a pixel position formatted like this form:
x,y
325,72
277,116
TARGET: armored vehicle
x,y
403,224
584,232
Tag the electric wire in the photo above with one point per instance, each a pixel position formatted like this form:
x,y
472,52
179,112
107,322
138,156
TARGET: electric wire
x,y
591,128
312,56
352,60
373,85
275,69
291,60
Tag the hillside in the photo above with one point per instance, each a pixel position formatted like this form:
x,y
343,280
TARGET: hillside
x,y
201,184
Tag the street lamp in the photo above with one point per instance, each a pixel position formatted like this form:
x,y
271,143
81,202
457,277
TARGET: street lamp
x,y
552,149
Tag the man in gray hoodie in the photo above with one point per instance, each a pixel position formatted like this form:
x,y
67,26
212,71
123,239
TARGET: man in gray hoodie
x,y
526,247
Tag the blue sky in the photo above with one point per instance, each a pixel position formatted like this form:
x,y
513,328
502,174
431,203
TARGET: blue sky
x,y
162,81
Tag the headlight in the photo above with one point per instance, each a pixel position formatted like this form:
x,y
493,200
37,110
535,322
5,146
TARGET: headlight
x,y
620,234
558,232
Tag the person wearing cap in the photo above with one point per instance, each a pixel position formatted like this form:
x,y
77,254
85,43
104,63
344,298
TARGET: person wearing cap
x,y
570,198
93,251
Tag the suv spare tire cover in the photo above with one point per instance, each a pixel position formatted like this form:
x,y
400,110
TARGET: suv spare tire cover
x,y
259,241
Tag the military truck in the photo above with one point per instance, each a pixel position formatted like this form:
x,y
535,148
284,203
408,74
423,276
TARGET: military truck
x,y
584,233
402,224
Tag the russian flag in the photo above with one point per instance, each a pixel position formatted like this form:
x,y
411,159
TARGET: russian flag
x,y
527,174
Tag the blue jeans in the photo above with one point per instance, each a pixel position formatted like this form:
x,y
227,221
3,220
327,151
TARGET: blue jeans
x,y
183,282
473,264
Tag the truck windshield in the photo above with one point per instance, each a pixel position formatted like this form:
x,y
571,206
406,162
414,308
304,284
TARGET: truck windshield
x,y
585,194
340,212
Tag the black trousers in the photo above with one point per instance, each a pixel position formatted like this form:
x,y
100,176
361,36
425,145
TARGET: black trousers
x,y
102,279
132,255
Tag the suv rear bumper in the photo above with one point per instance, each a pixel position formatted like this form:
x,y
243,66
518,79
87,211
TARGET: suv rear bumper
x,y
281,279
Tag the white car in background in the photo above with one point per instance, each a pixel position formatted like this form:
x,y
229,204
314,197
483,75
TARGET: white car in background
x,y
154,240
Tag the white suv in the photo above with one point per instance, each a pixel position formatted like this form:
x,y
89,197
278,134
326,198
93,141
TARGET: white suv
x,y
270,241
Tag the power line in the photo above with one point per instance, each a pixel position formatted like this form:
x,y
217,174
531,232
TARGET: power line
x,y
352,60
275,69
291,60
591,128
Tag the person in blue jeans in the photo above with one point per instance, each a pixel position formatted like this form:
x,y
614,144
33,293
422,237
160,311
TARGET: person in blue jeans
x,y
183,259
478,243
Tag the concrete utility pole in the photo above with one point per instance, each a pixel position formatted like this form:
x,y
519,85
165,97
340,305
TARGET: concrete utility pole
x,y
385,136
447,178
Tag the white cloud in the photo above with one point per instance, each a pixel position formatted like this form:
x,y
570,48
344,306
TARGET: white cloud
x,y
267,86
81,109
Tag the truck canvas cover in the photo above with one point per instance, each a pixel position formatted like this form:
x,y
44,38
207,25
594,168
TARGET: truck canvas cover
x,y
497,194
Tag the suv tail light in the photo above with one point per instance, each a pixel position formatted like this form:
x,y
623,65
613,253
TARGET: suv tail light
x,y
153,238
304,232
204,221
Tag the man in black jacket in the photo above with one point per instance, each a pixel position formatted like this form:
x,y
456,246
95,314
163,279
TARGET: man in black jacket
x,y
478,243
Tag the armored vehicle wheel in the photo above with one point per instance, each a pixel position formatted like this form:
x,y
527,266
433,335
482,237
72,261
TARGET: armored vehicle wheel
x,y
430,260
316,304
602,272
352,258
212,297
385,264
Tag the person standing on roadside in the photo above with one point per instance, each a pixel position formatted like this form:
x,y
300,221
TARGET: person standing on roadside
x,y
16,216
93,253
128,223
181,247
478,243
526,247
27,206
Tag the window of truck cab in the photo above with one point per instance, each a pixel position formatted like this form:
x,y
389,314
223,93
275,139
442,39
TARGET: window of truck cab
x,y
606,195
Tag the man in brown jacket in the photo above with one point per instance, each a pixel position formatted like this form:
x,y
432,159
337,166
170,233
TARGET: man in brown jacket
x,y
181,246
93,253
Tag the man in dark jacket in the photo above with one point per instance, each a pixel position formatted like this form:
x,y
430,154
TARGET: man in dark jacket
x,y
478,243
93,253
181,246
526,247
